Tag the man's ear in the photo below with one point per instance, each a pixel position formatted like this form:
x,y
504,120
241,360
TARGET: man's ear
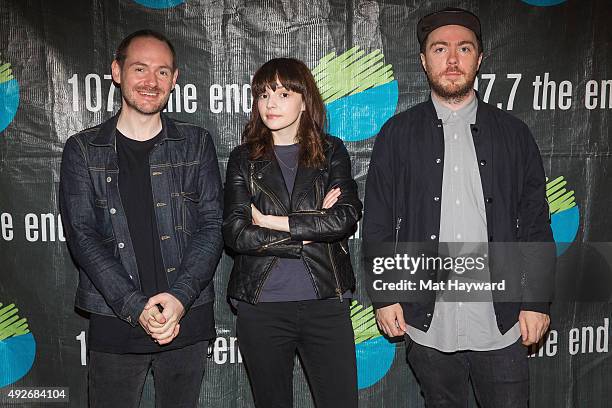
x,y
423,62
175,77
479,62
116,72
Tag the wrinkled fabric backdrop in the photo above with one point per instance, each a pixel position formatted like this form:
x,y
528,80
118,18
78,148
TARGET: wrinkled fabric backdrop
x,y
545,61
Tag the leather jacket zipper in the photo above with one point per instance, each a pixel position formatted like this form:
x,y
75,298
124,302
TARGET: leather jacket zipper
x,y
272,197
263,281
252,182
331,258
269,244
397,228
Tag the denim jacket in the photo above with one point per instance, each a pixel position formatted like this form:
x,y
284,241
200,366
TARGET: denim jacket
x,y
187,195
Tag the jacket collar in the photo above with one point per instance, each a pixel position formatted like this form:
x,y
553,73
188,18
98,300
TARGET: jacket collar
x,y
106,131
269,173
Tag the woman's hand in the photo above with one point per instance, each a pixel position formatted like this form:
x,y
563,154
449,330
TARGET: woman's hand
x,y
275,222
257,217
331,197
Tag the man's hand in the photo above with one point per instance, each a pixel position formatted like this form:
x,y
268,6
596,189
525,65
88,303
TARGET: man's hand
x,y
533,326
152,314
173,310
390,319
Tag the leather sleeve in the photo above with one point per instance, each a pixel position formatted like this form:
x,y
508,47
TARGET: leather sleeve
x,y
339,221
239,232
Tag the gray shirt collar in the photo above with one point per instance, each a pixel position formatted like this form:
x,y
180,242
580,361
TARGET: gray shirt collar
x,y
466,114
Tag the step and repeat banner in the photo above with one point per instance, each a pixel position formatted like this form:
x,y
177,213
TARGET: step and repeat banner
x,y
546,61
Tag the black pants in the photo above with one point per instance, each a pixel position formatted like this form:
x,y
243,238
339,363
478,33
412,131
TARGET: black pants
x,y
500,378
320,331
117,380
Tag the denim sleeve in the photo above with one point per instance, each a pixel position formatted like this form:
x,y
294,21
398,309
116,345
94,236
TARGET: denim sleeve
x,y
77,201
204,250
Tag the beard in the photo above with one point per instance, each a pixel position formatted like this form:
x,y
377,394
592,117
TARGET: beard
x,y
145,109
453,90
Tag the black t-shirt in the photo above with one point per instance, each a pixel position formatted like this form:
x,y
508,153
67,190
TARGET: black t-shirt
x,y
111,334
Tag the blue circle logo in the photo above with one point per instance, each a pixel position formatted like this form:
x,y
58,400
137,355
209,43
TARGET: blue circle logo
x,y
564,213
359,92
543,3
374,353
159,4
9,95
17,346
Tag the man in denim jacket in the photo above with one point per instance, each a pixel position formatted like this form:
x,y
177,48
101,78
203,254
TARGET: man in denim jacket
x,y
140,196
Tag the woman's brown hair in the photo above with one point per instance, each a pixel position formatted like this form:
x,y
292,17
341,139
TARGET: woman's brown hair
x,y
295,76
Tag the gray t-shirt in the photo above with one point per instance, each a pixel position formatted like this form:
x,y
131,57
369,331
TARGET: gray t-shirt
x,y
289,279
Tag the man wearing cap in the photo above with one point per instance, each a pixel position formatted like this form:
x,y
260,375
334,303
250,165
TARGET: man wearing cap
x,y
455,169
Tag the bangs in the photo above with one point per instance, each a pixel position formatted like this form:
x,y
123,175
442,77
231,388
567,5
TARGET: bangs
x,y
279,70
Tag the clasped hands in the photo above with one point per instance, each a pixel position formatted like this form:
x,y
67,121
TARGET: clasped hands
x,y
163,326
281,223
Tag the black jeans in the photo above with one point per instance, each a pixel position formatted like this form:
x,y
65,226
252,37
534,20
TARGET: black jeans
x,y
320,331
500,377
117,380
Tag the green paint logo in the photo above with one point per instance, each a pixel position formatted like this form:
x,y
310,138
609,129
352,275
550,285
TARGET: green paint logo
x,y
17,345
375,354
359,90
9,95
564,213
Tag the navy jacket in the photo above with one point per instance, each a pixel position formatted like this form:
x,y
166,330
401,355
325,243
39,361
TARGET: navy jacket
x,y
404,186
187,193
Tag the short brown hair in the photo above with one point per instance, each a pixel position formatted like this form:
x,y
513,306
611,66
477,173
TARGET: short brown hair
x,y
121,52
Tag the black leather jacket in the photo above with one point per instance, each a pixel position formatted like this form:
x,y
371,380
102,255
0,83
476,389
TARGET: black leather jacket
x,y
256,249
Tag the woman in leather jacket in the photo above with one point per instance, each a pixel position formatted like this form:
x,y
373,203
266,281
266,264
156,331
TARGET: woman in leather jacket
x,y
290,206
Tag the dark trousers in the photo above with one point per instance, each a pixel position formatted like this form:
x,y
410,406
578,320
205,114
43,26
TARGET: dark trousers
x,y
320,331
500,378
117,380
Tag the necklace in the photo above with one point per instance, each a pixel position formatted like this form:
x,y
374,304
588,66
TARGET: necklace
x,y
291,169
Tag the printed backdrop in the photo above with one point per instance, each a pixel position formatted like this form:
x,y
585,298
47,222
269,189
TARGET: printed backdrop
x,y
546,61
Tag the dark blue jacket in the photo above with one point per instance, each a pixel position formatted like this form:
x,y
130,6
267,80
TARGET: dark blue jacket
x,y
187,195
404,186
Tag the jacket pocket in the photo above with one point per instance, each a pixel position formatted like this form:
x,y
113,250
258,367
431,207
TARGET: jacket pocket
x,y
103,220
191,203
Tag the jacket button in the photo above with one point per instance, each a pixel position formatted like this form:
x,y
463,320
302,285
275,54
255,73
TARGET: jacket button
x,y
433,236
438,160
436,198
483,162
489,200
113,211
108,179
428,314
426,325
259,176
121,245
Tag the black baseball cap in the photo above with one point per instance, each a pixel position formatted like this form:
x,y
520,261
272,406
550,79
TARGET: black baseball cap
x,y
448,16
